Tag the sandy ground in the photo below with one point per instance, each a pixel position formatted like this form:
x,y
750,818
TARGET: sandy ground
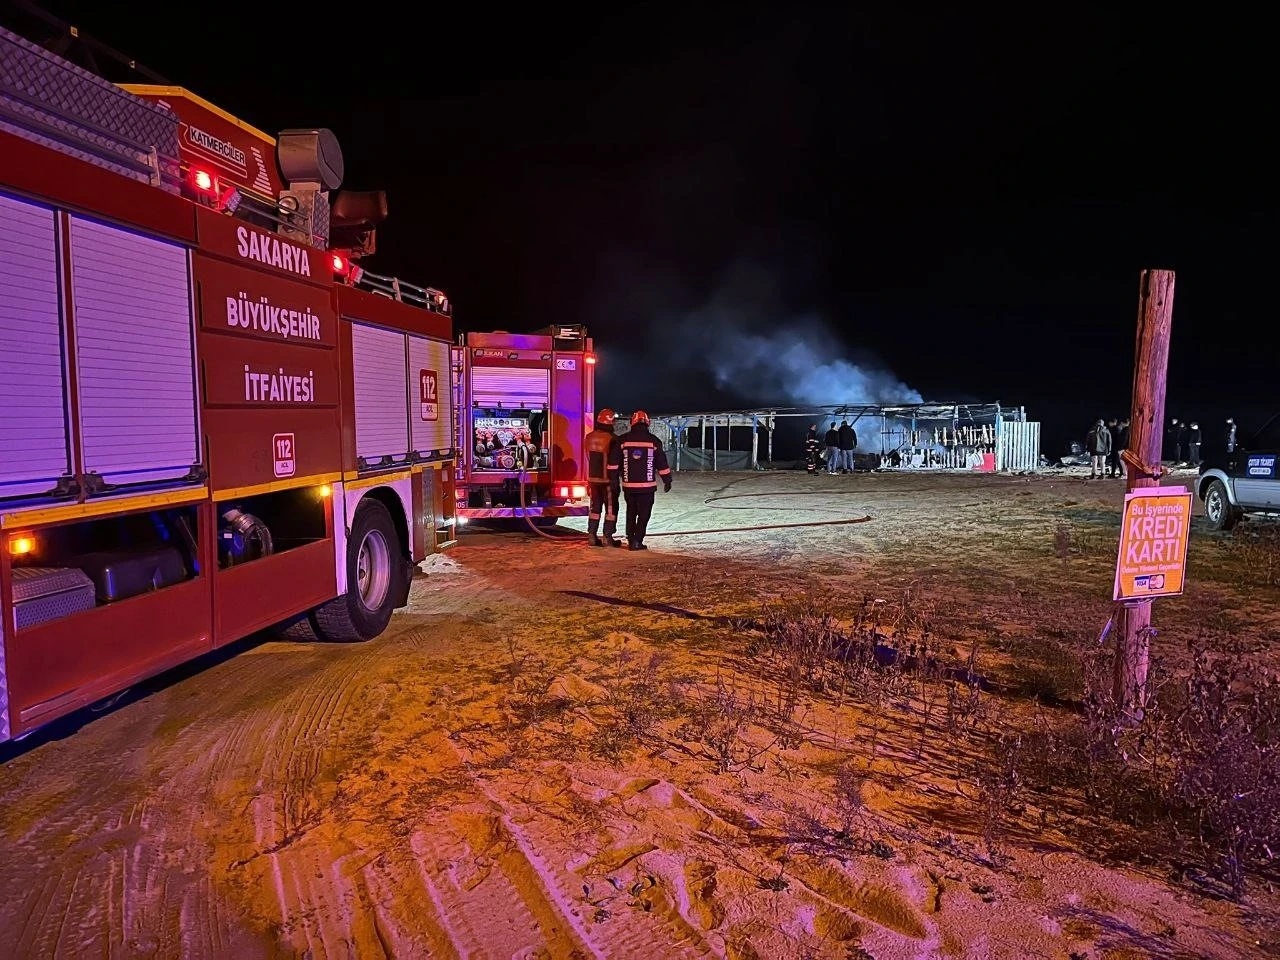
x,y
565,752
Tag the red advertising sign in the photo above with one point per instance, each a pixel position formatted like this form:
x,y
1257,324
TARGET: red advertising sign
x,y
429,399
284,452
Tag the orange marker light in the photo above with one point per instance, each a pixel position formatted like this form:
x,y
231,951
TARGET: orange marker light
x,y
20,546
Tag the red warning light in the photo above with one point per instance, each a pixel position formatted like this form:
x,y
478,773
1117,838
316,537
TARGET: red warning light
x,y
203,180
340,264
591,359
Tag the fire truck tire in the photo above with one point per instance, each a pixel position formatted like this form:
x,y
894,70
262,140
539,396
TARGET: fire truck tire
x,y
374,571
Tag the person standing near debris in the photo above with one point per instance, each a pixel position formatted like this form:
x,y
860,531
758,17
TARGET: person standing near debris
x,y
1172,440
832,442
848,443
602,479
1113,458
641,463
1122,440
1098,445
811,449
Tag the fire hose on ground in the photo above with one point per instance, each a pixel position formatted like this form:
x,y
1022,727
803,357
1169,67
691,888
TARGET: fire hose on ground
x,y
710,502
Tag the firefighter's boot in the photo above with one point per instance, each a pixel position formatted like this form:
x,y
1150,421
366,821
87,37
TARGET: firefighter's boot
x,y
610,528
594,540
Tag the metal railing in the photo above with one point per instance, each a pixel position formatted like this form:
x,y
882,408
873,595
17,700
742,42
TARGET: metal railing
x,y
401,290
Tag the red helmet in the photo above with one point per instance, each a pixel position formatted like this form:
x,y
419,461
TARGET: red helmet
x,y
639,417
606,416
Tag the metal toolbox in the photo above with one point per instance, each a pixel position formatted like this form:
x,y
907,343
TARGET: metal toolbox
x,y
41,594
120,575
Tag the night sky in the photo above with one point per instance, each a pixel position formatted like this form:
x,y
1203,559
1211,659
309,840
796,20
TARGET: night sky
x,y
966,203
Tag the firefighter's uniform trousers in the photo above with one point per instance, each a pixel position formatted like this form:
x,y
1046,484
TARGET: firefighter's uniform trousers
x,y
602,480
604,499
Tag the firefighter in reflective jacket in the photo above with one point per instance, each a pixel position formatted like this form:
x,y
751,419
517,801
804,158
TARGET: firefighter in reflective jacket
x,y
641,463
602,479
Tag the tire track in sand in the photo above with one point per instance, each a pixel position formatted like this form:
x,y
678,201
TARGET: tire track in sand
x,y
494,912
538,869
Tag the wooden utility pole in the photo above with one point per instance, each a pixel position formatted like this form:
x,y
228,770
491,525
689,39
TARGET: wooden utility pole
x,y
1142,462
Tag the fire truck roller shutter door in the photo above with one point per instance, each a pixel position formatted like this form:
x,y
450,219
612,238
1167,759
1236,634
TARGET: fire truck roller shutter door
x,y
381,392
431,426
511,388
135,360
33,425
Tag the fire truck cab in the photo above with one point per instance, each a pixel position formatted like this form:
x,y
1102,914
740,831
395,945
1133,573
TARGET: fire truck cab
x,y
523,404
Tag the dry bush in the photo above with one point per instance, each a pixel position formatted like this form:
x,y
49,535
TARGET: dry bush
x,y
1049,668
999,780
1198,772
529,677
639,695
720,724
1257,547
1225,763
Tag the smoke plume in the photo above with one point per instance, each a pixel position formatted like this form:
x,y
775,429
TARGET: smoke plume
x,y
802,364
740,344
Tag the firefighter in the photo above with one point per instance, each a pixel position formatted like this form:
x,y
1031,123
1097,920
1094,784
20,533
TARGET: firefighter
x,y
641,463
602,478
811,447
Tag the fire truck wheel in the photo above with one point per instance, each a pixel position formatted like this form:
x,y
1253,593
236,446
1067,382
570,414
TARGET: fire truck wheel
x,y
374,566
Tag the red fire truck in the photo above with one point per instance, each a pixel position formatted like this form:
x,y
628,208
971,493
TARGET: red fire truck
x,y
523,404
212,420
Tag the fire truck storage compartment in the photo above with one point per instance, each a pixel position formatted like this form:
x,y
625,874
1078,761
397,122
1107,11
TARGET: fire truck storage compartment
x,y
116,557
430,399
572,393
33,422
135,364
381,394
510,388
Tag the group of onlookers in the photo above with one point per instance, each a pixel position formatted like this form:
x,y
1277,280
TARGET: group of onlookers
x,y
1182,442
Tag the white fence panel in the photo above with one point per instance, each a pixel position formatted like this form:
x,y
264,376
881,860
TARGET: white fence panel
x,y
1019,448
